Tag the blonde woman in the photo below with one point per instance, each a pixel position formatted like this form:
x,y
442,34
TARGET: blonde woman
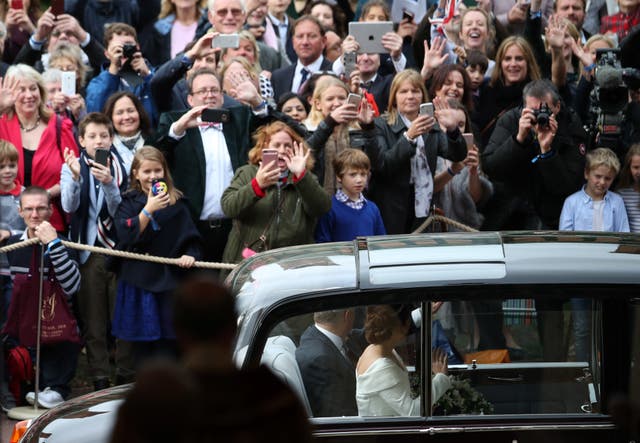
x,y
273,203
38,134
335,125
403,161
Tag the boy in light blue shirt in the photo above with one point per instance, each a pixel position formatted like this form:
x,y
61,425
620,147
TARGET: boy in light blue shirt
x,y
593,208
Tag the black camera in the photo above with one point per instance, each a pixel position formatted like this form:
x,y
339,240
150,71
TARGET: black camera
x,y
128,50
542,115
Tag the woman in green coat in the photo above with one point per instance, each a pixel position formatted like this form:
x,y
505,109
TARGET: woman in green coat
x,y
273,203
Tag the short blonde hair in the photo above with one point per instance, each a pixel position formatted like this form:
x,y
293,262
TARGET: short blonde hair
x,y
26,72
602,157
416,80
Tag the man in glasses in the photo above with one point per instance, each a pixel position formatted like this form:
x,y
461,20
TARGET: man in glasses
x,y
57,361
204,146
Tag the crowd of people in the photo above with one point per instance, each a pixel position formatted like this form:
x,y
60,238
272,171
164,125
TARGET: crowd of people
x,y
213,131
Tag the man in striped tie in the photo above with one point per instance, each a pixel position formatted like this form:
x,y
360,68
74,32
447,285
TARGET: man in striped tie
x,y
90,191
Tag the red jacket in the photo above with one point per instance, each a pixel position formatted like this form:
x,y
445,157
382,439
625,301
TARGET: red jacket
x,y
47,160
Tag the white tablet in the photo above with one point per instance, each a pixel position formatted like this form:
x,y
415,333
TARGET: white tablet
x,y
369,35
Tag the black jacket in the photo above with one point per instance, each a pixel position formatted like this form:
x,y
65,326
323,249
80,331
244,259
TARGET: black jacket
x,y
329,378
545,183
390,187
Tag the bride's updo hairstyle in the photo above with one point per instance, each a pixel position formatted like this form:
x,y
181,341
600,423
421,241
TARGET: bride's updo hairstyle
x,y
382,320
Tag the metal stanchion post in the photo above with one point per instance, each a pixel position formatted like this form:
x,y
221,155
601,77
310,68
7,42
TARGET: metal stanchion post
x,y
27,412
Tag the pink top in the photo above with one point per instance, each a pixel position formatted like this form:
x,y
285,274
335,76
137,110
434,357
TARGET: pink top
x,y
181,35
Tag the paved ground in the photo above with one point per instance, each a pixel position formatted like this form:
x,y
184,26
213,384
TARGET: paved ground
x,y
79,386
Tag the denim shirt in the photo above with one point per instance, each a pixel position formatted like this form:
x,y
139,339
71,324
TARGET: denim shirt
x,y
577,213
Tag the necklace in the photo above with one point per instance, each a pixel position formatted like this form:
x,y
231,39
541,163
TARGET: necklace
x,y
36,124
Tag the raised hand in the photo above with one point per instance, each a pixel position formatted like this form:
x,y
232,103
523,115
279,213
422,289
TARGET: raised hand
x,y
555,32
444,114
72,162
392,42
188,120
244,88
296,159
546,134
102,173
439,362
157,202
45,25
525,124
433,56
365,113
344,113
8,93
421,125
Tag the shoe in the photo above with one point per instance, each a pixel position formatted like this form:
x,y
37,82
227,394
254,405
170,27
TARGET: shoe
x,y
7,403
101,383
47,399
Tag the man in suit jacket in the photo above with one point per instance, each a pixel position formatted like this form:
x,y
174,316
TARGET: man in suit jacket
x,y
328,374
309,41
372,81
202,156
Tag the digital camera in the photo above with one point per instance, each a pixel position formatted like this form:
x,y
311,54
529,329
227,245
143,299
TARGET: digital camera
x,y
542,115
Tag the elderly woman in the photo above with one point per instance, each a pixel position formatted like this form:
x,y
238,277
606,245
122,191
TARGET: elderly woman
x,y
37,132
66,57
273,203
403,160
382,380
70,106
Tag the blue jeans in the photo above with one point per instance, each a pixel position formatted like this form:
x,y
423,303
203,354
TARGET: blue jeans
x,y
58,364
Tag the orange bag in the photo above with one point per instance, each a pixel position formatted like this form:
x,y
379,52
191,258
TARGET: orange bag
x,y
488,356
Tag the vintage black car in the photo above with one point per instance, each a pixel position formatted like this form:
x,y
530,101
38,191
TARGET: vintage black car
x,y
539,327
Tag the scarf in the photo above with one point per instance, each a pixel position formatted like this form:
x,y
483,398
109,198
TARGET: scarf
x,y
421,176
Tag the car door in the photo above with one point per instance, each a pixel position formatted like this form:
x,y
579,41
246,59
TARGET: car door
x,y
515,369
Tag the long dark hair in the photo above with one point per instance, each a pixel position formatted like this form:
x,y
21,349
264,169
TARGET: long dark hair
x,y
440,77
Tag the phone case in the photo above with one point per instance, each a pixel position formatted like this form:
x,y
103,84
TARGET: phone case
x,y
68,80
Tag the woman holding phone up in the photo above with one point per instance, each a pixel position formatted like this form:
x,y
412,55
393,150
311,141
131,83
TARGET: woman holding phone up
x,y
403,160
274,200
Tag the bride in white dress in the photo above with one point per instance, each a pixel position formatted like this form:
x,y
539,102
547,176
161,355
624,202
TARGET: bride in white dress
x,y
382,380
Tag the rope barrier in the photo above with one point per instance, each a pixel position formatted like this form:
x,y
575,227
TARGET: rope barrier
x,y
122,254
443,219
200,264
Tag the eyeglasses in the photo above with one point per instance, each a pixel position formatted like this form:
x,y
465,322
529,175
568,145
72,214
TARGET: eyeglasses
x,y
225,12
39,209
205,91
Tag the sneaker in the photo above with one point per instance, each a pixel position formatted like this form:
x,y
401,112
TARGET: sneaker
x,y
46,399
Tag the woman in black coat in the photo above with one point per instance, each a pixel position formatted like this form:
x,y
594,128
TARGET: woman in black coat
x,y
403,159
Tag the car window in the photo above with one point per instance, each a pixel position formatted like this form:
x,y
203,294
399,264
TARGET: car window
x,y
536,352
532,355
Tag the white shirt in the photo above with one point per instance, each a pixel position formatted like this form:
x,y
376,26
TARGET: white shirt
x,y
218,169
336,340
312,68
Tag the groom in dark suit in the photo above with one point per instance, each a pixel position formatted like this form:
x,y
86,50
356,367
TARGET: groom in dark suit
x,y
203,156
327,370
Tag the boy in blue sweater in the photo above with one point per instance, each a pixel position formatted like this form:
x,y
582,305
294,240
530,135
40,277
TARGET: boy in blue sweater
x,y
351,215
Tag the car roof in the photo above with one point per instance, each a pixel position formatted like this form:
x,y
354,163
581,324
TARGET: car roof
x,y
436,260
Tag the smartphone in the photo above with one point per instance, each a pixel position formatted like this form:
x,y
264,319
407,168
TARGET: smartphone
x,y
158,185
68,80
57,7
226,41
350,63
426,109
354,99
268,156
215,115
468,138
16,4
102,156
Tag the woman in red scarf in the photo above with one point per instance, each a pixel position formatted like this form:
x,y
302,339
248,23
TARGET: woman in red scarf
x,y
38,134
